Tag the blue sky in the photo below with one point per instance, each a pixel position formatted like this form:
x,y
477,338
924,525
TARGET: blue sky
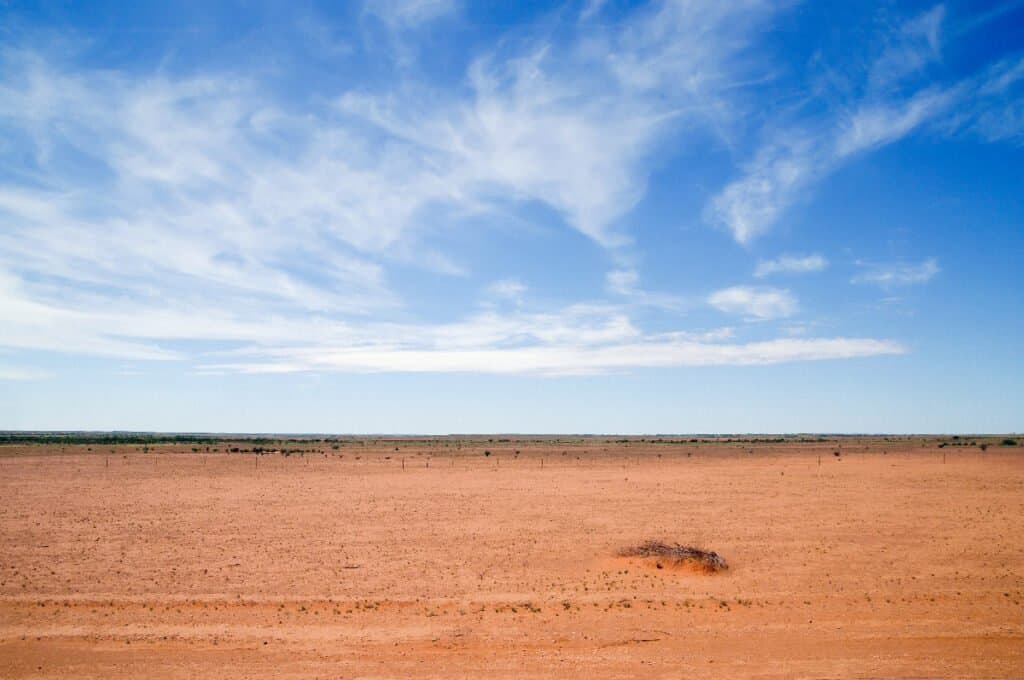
x,y
433,216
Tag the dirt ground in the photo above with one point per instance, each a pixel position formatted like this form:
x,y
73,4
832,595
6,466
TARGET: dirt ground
x,y
404,558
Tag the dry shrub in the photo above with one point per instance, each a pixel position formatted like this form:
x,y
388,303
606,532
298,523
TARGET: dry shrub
x,y
677,556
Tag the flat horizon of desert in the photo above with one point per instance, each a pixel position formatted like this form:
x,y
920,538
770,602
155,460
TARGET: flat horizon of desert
x,y
131,554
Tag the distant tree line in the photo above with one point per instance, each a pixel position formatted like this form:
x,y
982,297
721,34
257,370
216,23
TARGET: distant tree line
x,y
71,438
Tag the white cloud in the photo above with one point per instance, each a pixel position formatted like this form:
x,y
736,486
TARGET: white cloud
x,y
1002,77
568,360
154,190
750,206
910,48
996,113
755,302
625,283
508,289
148,216
410,13
570,340
783,170
574,126
894,101
592,8
877,124
622,281
791,264
893,274
177,192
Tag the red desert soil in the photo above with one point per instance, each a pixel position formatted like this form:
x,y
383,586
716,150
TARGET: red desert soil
x,y
885,561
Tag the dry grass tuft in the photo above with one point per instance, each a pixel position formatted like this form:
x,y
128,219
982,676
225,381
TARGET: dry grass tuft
x,y
677,556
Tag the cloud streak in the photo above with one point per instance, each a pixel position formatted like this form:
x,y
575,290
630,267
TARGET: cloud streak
x,y
791,264
575,125
577,339
895,274
567,360
758,303
895,98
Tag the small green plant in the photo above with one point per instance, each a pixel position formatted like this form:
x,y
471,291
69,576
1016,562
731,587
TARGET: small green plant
x,y
1008,442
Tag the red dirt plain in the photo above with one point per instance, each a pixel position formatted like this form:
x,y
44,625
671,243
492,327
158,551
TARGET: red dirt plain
x,y
895,559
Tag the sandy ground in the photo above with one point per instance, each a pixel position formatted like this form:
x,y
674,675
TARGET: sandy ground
x,y
883,561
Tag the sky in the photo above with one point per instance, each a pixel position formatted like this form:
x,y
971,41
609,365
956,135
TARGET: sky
x,y
448,216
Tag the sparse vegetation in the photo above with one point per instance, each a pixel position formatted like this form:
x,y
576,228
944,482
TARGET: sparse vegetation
x,y
677,555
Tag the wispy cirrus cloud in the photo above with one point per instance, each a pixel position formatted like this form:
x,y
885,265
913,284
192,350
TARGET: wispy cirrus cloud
x,y
624,283
592,8
759,303
230,182
997,113
893,99
771,182
567,360
410,13
909,48
894,274
575,125
507,289
204,216
791,264
577,339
